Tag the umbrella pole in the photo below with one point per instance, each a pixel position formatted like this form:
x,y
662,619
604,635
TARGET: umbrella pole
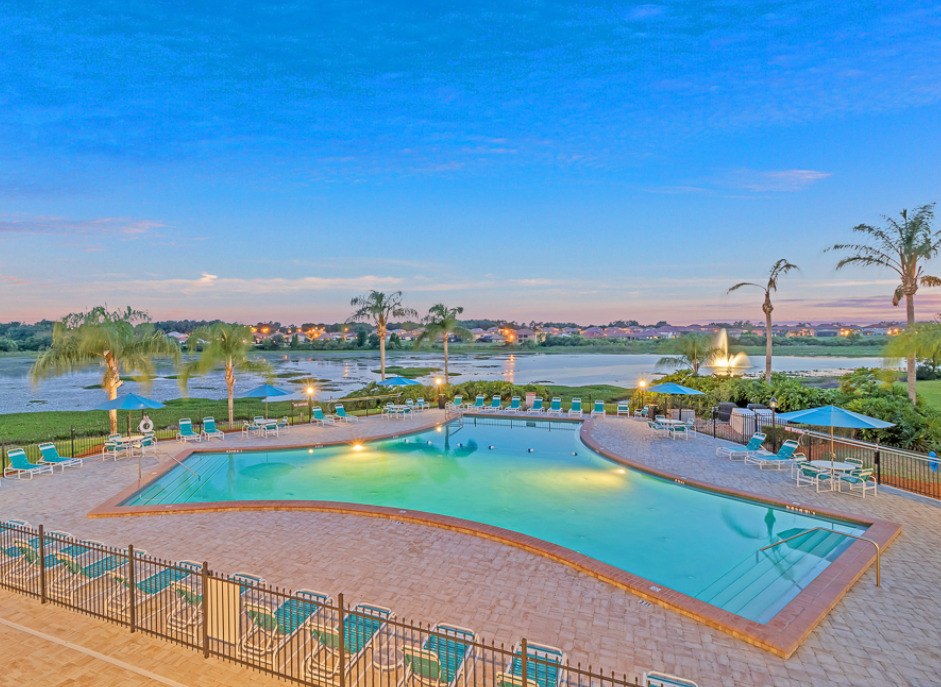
x,y
832,452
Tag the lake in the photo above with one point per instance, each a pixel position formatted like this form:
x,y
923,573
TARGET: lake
x,y
338,375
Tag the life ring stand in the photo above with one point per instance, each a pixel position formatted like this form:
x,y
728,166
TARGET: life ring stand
x,y
146,425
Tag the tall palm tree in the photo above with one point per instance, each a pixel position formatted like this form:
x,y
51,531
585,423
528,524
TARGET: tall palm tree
x,y
778,270
222,344
923,341
692,350
903,247
118,340
442,321
378,308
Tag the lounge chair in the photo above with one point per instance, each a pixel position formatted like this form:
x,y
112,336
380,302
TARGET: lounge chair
x,y
598,409
858,481
360,626
272,628
514,406
318,416
24,555
50,456
656,425
410,403
457,403
186,432
654,679
742,452
779,461
624,408
421,404
444,659
642,412
20,466
495,404
811,475
544,667
478,403
209,429
186,610
343,416
73,575
150,586
576,407
555,407
246,581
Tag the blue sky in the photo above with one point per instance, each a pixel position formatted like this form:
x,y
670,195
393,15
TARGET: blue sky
x,y
549,161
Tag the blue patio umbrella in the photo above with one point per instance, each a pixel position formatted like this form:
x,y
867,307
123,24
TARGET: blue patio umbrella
x,y
265,391
398,381
674,389
129,402
832,416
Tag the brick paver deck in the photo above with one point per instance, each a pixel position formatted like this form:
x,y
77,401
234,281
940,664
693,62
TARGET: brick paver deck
x,y
872,637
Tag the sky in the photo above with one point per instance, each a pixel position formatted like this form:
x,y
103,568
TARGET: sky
x,y
584,162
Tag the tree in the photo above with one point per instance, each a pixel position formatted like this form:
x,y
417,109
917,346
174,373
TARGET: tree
x,y
378,308
902,246
361,338
118,340
222,344
778,270
692,350
923,341
442,321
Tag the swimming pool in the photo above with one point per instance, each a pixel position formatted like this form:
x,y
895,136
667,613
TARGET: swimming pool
x,y
538,478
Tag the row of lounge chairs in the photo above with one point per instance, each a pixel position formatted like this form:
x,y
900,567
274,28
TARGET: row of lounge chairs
x,y
340,415
85,571
20,467
856,480
515,406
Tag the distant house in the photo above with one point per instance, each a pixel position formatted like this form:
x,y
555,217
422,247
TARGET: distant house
x,y
824,331
181,338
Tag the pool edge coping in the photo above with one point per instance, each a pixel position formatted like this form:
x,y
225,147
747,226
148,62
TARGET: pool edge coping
x,y
782,635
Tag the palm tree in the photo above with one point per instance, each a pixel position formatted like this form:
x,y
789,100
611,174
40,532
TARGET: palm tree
x,y
442,321
902,247
222,344
693,350
378,308
778,270
923,341
118,340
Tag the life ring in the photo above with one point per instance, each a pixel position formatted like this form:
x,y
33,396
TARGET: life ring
x,y
146,425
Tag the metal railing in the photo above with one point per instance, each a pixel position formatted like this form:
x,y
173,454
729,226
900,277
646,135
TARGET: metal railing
x,y
832,531
303,636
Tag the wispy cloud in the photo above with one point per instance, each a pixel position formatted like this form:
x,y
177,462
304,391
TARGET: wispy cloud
x,y
7,280
775,180
87,227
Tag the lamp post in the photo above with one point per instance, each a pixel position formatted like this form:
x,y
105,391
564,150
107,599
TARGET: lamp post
x,y
310,404
438,382
642,384
773,404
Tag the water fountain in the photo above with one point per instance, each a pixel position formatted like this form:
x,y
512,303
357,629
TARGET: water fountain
x,y
723,363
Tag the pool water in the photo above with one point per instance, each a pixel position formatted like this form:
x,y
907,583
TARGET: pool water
x,y
536,477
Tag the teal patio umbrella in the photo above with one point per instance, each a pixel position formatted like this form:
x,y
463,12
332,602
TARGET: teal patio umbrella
x,y
265,391
674,389
832,416
130,402
398,381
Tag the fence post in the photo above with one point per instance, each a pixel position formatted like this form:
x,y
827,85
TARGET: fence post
x,y
72,444
132,585
878,463
341,648
524,657
3,457
42,564
205,604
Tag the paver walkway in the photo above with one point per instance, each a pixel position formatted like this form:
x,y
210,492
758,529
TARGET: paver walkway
x,y
873,636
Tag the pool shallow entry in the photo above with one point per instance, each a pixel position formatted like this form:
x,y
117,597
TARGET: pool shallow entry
x,y
536,477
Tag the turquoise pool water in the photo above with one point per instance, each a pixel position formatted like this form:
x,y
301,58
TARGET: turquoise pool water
x,y
538,478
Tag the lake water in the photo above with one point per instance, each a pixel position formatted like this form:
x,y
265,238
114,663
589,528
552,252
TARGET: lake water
x,y
341,375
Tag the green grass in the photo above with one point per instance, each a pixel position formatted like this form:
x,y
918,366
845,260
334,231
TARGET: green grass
x,y
929,390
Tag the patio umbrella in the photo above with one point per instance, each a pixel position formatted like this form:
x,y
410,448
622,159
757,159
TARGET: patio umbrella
x,y
130,402
832,416
265,391
675,390
398,381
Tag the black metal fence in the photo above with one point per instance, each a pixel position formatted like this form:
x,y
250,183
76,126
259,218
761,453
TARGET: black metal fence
x,y
305,636
895,467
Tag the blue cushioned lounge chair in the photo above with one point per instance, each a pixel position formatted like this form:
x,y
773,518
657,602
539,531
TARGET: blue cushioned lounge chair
x,y
272,628
20,466
544,667
445,658
361,626
742,452
209,429
186,432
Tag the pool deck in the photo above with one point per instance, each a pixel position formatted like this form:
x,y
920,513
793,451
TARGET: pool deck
x,y
874,636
